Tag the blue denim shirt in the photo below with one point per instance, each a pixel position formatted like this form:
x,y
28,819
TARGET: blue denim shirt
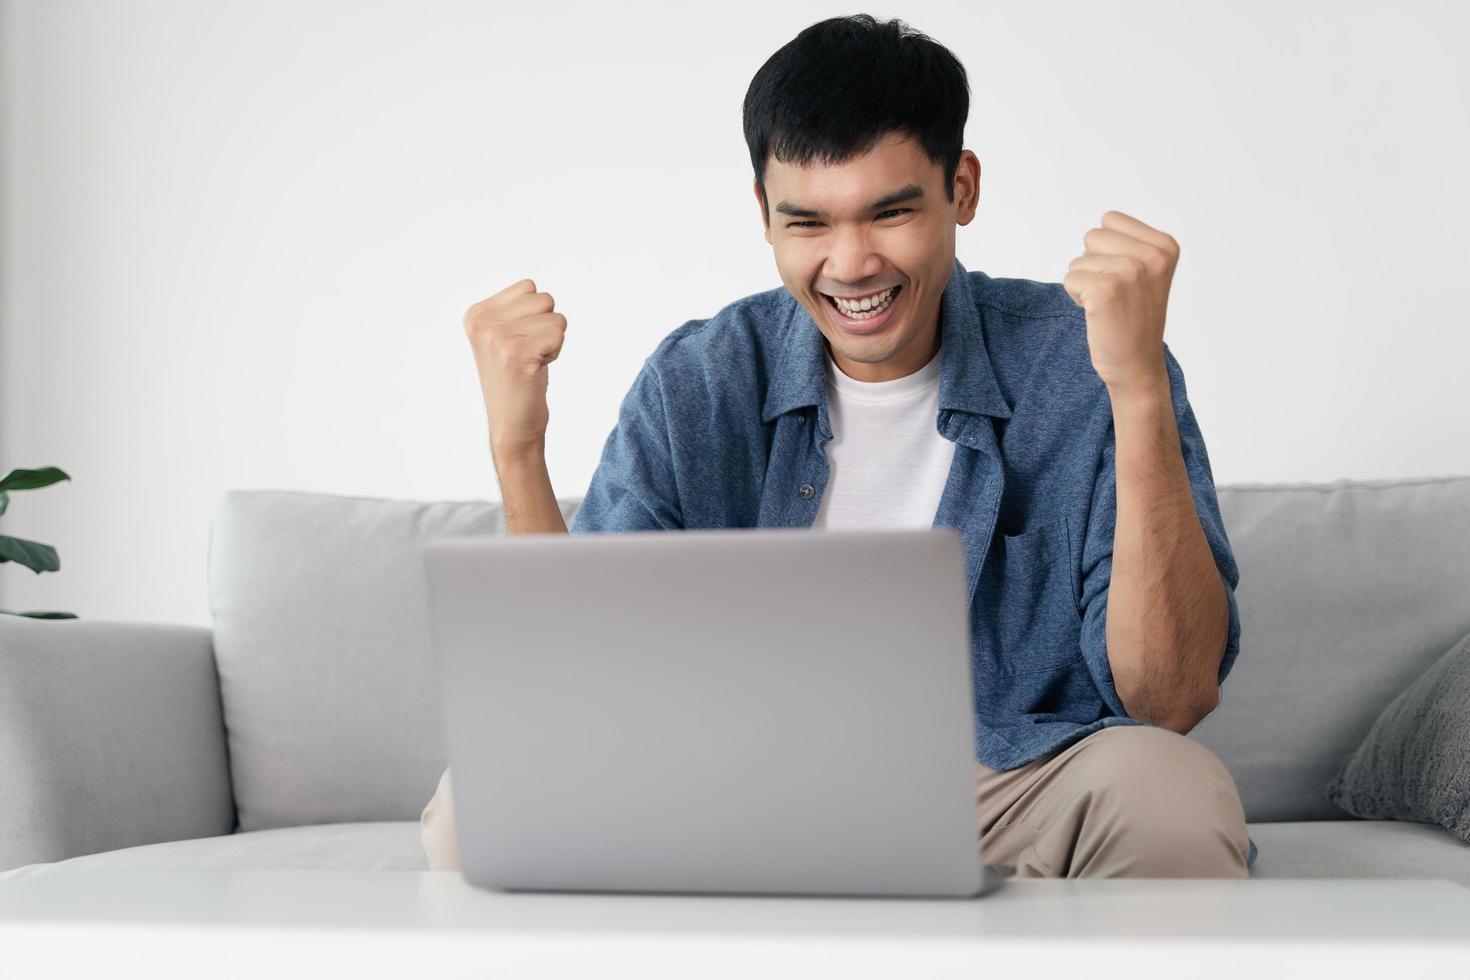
x,y
724,428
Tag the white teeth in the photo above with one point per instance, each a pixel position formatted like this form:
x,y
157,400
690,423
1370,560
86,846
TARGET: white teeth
x,y
868,306
866,303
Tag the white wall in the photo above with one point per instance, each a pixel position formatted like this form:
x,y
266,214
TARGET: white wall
x,y
238,238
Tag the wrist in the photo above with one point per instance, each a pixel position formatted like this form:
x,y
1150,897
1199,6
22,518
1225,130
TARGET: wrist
x,y
1146,391
517,455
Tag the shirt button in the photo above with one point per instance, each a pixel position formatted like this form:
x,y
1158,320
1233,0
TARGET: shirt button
x,y
801,419
807,491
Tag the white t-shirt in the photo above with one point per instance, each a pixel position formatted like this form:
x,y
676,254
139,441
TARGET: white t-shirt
x,y
887,461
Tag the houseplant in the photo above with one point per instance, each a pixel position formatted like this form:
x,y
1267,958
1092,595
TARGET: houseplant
x,y
32,554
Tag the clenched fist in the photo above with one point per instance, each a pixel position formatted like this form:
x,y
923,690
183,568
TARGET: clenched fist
x,y
1122,281
514,335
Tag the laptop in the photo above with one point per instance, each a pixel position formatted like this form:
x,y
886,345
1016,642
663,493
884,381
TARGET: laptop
x,y
742,711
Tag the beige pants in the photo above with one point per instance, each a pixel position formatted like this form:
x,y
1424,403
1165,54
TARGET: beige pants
x,y
1131,801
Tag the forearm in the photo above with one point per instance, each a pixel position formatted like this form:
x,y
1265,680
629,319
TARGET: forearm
x,y
1167,614
525,489
437,830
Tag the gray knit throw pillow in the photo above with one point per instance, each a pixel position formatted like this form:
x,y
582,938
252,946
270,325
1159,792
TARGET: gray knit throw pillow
x,y
1414,763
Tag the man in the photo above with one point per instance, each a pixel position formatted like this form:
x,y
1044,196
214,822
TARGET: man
x,y
885,385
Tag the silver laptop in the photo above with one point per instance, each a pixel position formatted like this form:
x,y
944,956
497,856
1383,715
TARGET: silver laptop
x,y
725,711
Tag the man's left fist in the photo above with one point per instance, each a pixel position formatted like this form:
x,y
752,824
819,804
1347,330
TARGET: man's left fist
x,y
1122,282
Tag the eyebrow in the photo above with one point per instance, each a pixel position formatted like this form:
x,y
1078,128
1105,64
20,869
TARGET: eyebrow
x,y
886,201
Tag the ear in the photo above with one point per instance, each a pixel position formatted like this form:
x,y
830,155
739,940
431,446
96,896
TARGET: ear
x,y
966,187
755,185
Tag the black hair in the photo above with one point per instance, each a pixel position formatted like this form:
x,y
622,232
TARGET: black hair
x,y
843,84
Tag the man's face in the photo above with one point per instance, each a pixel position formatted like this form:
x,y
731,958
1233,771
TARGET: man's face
x,y
838,232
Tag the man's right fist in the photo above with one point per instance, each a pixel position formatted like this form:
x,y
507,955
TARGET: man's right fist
x,y
514,335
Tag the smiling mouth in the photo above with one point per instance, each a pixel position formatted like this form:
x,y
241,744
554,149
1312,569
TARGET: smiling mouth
x,y
869,313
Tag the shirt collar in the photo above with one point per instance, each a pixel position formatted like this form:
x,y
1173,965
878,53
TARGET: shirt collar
x,y
966,378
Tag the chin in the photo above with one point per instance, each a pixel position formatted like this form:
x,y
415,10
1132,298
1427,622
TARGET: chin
x,y
865,354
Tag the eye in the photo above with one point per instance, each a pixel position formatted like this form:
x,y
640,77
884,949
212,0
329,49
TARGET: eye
x,y
809,224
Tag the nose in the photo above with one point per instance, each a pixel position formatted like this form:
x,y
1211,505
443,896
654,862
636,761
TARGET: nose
x,y
852,263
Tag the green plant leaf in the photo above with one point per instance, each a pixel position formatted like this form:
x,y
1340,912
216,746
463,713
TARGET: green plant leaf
x,y
32,554
40,615
32,479
4,501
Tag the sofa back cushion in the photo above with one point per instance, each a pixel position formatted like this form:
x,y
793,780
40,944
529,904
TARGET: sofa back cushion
x,y
1348,592
330,697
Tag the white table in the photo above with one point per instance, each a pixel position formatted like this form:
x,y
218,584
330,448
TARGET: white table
x,y
199,923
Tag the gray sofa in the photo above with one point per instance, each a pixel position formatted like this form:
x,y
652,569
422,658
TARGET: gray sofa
x,y
303,729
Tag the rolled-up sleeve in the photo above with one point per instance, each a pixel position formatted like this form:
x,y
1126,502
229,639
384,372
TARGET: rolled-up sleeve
x,y
634,487
1097,547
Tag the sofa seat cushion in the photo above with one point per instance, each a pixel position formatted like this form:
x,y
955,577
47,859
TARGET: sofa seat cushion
x,y
387,845
1359,849
1300,849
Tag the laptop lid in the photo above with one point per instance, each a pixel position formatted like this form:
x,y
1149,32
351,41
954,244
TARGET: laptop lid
x,y
772,711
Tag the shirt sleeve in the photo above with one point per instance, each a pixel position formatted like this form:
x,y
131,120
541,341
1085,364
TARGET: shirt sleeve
x,y
1097,548
634,487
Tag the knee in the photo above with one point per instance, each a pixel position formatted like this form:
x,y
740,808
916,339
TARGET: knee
x,y
1166,805
437,829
